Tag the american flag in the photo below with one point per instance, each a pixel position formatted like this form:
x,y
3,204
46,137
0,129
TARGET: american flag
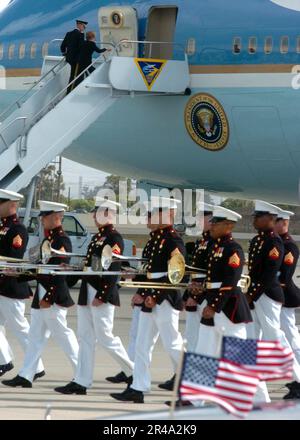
x,y
268,359
218,381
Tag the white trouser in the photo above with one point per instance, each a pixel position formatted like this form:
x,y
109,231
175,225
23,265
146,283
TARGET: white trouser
x,y
266,316
163,321
133,332
210,344
53,319
210,338
192,324
288,325
6,354
12,313
95,325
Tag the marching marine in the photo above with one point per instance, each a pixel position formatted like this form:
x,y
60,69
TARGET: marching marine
x,y
291,293
98,299
265,294
193,296
51,301
227,312
161,307
13,242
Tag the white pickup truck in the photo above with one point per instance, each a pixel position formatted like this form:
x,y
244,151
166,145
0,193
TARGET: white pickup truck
x,y
79,235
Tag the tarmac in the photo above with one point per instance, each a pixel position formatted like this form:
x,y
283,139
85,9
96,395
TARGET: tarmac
x,y
41,401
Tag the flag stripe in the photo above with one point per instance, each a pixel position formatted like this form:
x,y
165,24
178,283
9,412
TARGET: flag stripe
x,y
221,382
224,404
238,377
196,389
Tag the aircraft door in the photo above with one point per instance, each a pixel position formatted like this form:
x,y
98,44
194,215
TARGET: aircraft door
x,y
118,23
161,26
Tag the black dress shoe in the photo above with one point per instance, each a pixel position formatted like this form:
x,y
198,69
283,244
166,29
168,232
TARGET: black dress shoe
x,y
294,392
168,385
18,381
179,403
39,375
118,378
5,368
129,395
290,385
71,388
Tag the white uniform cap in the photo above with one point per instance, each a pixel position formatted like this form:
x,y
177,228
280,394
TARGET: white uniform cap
x,y
262,208
163,203
285,215
47,208
10,195
102,203
221,214
205,207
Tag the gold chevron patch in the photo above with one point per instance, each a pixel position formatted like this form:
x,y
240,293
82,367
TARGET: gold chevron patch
x,y
274,253
234,261
17,241
116,249
289,259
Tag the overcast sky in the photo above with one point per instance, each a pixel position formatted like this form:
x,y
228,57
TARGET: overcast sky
x,y
72,171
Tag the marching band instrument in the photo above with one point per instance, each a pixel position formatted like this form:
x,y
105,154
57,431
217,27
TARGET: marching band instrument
x,y
48,252
12,260
176,269
108,257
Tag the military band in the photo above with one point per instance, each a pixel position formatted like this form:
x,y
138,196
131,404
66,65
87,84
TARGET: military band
x,y
214,302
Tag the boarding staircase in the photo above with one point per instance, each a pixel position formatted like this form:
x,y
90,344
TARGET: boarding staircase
x,y
46,120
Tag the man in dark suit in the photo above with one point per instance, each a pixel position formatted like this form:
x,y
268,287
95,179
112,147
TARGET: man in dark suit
x,y
70,47
88,47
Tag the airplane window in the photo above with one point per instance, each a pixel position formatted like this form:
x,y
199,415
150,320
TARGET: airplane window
x,y
45,49
191,46
33,50
22,49
298,45
268,45
1,51
284,45
252,45
237,45
11,51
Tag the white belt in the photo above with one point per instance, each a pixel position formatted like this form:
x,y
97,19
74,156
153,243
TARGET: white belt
x,y
213,285
155,275
198,276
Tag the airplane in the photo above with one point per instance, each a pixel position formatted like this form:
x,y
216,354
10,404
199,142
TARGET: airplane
x,y
234,130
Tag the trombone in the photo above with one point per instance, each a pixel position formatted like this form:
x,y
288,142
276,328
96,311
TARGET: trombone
x,y
108,257
48,252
